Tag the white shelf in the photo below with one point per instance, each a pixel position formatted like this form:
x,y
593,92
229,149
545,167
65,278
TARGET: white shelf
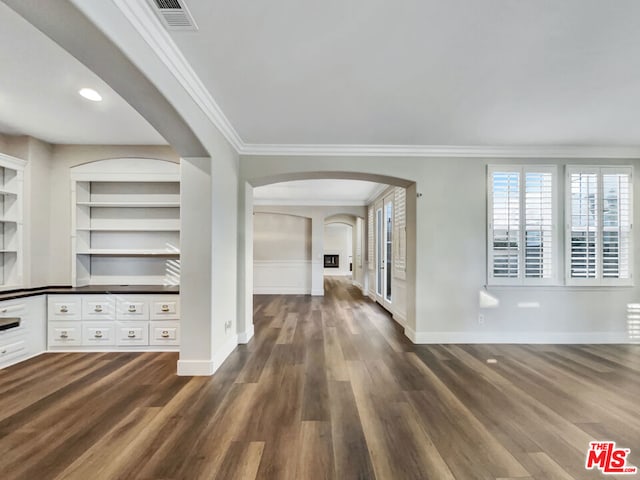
x,y
11,191
130,204
109,252
128,229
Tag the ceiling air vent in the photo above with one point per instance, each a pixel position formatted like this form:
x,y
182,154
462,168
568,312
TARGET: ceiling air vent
x,y
175,15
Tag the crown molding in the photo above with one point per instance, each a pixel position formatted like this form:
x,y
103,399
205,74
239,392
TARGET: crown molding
x,y
145,21
288,202
440,151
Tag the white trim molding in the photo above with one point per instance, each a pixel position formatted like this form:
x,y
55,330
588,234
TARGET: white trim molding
x,y
442,151
195,368
282,277
12,162
149,26
518,337
224,351
146,22
247,335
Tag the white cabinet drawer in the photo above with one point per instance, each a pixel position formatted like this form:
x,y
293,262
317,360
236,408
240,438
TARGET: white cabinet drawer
x,y
164,333
132,309
64,333
64,307
12,351
132,333
11,309
96,333
9,328
98,306
165,308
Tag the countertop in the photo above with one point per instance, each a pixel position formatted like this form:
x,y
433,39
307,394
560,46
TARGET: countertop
x,y
90,289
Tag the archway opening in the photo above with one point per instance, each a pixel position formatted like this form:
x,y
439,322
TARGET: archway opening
x,y
330,201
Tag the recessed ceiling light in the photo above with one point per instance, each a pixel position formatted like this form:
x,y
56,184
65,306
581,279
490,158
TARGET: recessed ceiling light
x,y
90,94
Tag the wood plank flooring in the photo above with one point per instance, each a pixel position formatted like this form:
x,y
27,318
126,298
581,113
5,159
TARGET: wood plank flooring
x,y
329,388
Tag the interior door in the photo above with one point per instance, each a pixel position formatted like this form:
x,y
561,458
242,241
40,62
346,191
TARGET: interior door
x,y
384,251
379,253
388,251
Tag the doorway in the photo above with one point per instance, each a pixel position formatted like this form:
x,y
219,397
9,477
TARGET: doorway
x,y
384,251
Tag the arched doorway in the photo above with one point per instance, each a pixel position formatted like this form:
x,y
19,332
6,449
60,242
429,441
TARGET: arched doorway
x,y
249,182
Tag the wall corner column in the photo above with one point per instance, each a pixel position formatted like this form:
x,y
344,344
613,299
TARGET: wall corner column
x,y
317,253
196,344
245,263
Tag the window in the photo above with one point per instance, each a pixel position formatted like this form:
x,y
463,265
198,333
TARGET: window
x,y
522,241
599,213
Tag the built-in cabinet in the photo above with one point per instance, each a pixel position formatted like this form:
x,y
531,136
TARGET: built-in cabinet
x,y
22,327
126,223
113,322
11,225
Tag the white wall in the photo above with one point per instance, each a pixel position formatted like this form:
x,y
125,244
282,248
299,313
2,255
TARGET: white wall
x,y
282,254
281,237
338,240
449,268
36,200
317,215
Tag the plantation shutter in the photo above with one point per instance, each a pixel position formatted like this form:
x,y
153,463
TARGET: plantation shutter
x,y
583,253
616,225
400,234
538,241
599,225
371,240
521,231
505,224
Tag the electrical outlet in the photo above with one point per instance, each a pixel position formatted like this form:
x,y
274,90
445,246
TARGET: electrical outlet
x,y
481,318
227,326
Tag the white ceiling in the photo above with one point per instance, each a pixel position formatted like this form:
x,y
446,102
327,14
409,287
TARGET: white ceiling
x,y
38,93
317,192
422,72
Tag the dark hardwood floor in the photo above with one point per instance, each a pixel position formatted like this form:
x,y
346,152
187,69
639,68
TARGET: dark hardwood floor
x,y
328,388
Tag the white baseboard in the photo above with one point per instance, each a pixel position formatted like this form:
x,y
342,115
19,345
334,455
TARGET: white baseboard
x,y
318,293
400,319
247,335
358,285
517,337
275,290
227,348
192,368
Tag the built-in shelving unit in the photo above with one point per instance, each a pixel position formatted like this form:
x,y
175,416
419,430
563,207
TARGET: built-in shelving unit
x,y
126,223
11,197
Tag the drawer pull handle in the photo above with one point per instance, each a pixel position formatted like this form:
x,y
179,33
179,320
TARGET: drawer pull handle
x,y
165,334
64,334
98,334
132,308
63,309
165,308
3,351
4,310
97,308
132,334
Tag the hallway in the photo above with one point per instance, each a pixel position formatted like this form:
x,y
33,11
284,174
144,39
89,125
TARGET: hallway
x,y
329,388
